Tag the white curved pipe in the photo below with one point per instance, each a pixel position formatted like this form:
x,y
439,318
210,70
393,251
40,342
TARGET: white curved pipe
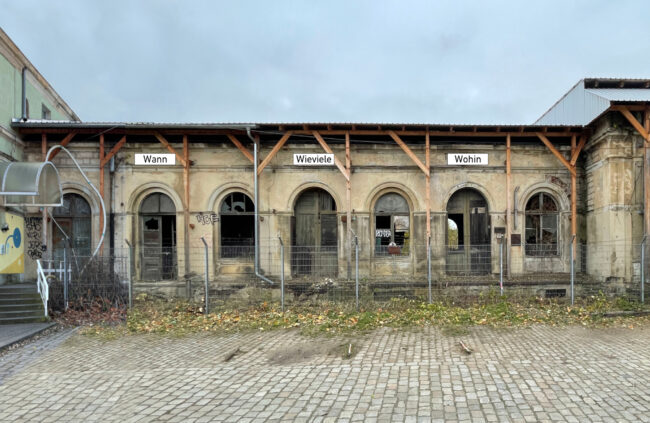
x,y
101,200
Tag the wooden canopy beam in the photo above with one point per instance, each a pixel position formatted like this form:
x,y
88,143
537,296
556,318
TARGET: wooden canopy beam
x,y
327,148
113,151
273,152
556,153
164,142
575,152
241,147
409,152
635,123
64,142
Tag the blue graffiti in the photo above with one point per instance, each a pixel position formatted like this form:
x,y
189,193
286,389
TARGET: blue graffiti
x,y
16,237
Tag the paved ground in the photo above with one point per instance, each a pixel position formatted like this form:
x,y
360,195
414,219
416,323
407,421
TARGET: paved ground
x,y
538,374
10,334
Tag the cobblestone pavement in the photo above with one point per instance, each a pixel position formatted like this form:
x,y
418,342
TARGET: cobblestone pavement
x,y
534,374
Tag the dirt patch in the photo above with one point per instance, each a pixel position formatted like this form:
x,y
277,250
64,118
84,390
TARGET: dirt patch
x,y
307,351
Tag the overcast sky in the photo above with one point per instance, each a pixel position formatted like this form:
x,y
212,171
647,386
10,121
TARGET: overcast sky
x,y
325,61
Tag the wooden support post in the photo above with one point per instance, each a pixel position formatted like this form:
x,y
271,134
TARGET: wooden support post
x,y
646,173
63,143
508,203
427,161
44,213
186,208
101,182
348,198
574,198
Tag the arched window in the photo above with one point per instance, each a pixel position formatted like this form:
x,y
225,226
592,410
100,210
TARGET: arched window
x,y
392,225
72,219
541,225
158,235
237,225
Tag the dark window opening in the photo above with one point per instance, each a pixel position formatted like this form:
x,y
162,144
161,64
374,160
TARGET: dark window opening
x,y
237,226
392,225
158,235
541,226
73,219
45,113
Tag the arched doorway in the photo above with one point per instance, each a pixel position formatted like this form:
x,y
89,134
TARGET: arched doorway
x,y
158,235
314,234
72,219
468,233
237,216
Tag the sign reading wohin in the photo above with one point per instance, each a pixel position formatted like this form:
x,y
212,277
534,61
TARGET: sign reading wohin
x,y
155,159
313,159
463,159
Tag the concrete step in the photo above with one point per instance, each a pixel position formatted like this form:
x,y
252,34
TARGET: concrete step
x,y
20,303
22,319
22,313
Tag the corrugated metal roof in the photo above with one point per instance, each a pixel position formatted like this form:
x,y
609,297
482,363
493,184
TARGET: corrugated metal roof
x,y
581,106
622,94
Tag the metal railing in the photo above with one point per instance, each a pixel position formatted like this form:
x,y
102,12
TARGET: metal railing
x,y
42,285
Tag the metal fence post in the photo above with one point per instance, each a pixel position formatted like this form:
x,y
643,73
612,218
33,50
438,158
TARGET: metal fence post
x,y
207,276
573,267
281,272
65,280
129,276
501,265
429,268
643,270
356,269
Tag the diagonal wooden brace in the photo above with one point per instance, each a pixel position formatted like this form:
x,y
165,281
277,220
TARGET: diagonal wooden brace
x,y
113,151
327,148
164,142
241,147
634,122
556,153
65,142
408,152
273,152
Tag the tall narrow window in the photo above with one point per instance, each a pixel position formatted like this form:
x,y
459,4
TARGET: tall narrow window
x,y
72,228
45,112
392,225
237,226
541,225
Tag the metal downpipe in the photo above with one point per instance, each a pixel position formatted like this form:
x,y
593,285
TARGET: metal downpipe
x,y
257,215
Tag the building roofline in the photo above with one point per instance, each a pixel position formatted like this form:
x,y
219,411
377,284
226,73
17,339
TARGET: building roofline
x,y
24,61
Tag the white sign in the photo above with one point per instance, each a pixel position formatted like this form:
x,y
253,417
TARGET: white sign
x,y
155,159
313,159
467,159
382,233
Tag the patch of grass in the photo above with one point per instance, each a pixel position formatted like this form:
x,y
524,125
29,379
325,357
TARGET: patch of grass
x,y
179,318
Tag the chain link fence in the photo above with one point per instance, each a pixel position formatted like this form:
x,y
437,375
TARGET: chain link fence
x,y
355,274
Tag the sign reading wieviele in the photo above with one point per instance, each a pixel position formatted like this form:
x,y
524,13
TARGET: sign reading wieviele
x,y
155,159
313,159
467,159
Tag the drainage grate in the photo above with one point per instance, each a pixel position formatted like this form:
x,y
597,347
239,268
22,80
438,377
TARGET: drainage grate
x,y
555,293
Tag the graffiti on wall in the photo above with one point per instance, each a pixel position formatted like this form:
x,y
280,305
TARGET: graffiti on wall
x,y
207,218
33,230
